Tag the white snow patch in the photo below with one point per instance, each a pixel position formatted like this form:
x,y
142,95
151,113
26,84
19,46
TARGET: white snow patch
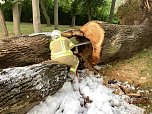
x,y
17,73
97,67
39,86
42,33
91,98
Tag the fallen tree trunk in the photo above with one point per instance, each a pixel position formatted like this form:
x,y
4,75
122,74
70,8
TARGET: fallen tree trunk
x,y
120,42
23,50
21,88
124,40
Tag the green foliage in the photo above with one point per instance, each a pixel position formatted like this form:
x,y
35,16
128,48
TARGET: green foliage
x,y
75,7
103,11
49,8
99,8
7,10
115,20
65,4
26,15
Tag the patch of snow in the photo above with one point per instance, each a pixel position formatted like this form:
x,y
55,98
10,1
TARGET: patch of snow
x,y
97,67
92,97
39,86
41,33
17,73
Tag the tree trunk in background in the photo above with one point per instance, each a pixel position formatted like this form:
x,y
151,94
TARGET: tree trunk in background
x,y
89,10
74,11
112,11
36,16
73,21
16,19
3,24
22,88
45,13
56,14
20,10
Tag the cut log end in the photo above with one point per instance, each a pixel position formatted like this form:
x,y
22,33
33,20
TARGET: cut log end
x,y
93,32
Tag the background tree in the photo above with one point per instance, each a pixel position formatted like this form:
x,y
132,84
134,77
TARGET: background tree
x,y
74,10
91,6
36,16
44,10
66,9
56,15
112,11
72,7
20,8
2,21
89,10
16,17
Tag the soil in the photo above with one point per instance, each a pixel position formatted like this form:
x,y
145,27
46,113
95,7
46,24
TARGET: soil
x,y
136,71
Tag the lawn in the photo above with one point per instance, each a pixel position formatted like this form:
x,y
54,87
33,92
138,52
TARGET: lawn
x,y
136,70
27,28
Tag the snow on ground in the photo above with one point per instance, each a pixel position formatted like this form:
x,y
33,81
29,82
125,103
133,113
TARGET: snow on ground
x,y
92,98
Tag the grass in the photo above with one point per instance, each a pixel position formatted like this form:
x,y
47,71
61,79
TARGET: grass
x,y
27,28
137,68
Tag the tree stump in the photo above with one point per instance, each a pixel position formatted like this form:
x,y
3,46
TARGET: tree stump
x,y
21,88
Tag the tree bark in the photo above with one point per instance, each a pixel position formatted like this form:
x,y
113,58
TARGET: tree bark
x,y
3,24
16,19
56,14
120,42
23,50
45,13
21,88
20,10
36,16
73,21
89,10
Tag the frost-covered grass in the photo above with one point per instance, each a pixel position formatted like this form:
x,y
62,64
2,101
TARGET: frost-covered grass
x,y
92,98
